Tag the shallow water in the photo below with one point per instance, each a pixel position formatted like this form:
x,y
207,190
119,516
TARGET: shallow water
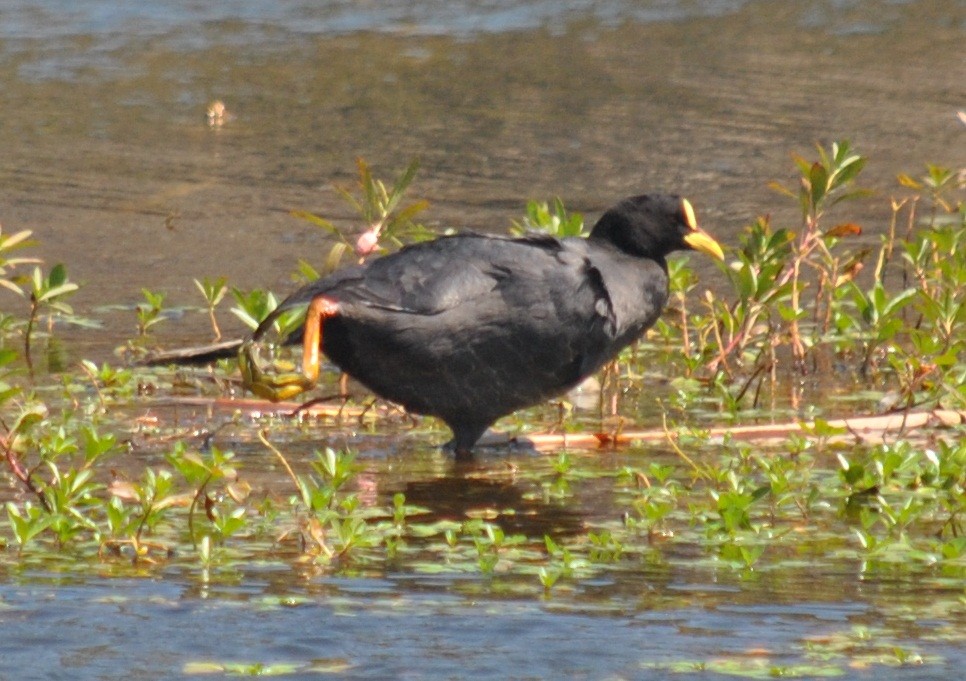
x,y
402,629
667,609
106,155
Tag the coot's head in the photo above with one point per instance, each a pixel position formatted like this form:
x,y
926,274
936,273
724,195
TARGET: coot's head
x,y
653,225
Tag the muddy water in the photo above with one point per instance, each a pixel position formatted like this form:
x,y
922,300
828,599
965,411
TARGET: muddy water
x,y
107,156
105,153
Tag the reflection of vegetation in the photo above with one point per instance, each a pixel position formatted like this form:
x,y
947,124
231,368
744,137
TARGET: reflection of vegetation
x,y
888,317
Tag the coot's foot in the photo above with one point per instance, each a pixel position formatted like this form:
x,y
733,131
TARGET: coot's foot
x,y
491,439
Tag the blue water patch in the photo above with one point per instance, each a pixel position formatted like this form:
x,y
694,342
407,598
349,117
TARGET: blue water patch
x,y
46,19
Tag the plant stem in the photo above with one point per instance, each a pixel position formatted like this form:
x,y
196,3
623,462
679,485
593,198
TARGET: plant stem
x,y
21,473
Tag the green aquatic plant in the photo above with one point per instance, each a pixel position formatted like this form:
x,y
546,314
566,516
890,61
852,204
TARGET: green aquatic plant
x,y
334,528
10,278
823,183
47,295
110,381
149,312
388,222
218,490
213,291
255,305
804,293
56,463
552,219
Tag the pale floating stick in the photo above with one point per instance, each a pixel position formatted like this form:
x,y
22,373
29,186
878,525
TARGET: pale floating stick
x,y
866,428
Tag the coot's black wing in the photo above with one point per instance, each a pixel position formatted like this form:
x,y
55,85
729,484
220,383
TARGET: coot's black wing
x,y
432,277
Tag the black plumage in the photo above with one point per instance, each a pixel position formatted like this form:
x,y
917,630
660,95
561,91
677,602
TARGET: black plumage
x,y
469,328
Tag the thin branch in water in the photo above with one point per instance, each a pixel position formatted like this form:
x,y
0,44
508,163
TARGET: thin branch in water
x,y
757,372
321,400
288,469
28,332
21,473
191,509
672,440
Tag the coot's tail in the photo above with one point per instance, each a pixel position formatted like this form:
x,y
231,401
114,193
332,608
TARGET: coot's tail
x,y
204,354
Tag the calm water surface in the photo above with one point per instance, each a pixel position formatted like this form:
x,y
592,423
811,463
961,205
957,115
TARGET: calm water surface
x,y
670,609
106,155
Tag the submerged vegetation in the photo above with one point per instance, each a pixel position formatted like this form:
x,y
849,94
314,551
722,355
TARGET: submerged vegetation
x,y
811,320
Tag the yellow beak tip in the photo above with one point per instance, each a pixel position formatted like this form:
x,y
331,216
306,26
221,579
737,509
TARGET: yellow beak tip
x,y
703,243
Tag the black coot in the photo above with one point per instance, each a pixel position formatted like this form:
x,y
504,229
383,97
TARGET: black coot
x,y
470,328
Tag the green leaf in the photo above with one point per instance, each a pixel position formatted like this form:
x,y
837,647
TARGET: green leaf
x,y
316,220
849,170
899,301
28,419
28,524
16,240
57,276
404,181
56,292
818,184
